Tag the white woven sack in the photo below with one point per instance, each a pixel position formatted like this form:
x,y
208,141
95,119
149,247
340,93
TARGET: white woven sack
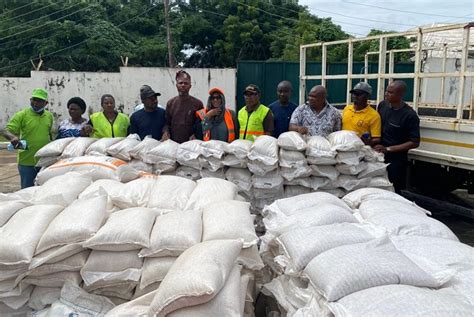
x,y
55,254
119,293
47,161
137,307
173,233
349,158
141,166
16,302
291,158
292,141
355,198
295,190
295,172
75,223
190,173
205,173
141,150
291,206
121,150
400,300
371,208
134,194
323,214
228,302
325,171
442,251
139,292
164,153
43,296
54,279
350,182
188,153
338,192
196,277
299,181
233,161
77,147
265,150
240,177
161,168
345,141
112,267
351,169
9,208
210,163
125,230
155,270
268,193
300,245
374,169
54,148
319,147
367,265
214,148
259,168
209,190
318,183
229,219
61,190
370,155
268,181
71,264
171,192
461,285
23,194
250,259
110,186
99,147
381,182
240,148
20,235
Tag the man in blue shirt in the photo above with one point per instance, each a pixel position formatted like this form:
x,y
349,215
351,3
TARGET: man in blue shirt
x,y
283,108
151,119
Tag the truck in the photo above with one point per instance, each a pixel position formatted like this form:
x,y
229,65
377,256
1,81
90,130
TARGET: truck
x,y
443,97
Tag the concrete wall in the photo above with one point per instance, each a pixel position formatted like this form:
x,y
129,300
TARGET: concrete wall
x,y
124,86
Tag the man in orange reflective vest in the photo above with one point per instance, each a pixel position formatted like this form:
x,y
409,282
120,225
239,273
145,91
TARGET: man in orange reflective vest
x,y
216,122
255,119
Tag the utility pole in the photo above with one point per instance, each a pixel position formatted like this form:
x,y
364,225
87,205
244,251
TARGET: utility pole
x,y
171,60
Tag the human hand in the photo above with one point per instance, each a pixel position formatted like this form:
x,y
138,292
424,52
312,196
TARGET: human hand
x,y
380,148
15,141
213,112
192,137
165,136
303,130
86,130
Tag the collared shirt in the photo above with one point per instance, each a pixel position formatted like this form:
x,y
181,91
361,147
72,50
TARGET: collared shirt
x,y
327,121
281,116
362,121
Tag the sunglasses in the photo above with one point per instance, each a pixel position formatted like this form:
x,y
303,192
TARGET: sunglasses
x,y
215,97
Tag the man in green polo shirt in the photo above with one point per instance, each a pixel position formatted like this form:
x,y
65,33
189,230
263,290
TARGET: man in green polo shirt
x,y
33,125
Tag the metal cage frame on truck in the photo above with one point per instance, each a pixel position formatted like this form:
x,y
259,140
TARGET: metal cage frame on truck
x,y
447,142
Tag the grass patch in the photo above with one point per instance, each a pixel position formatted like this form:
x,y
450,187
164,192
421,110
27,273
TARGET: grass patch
x,y
3,139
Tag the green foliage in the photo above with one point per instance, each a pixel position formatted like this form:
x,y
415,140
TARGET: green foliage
x,y
93,35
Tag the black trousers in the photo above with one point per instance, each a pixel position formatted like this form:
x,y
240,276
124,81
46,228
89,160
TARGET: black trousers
x,y
397,171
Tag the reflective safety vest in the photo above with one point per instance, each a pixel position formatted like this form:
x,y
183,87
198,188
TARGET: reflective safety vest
x,y
228,122
251,125
103,128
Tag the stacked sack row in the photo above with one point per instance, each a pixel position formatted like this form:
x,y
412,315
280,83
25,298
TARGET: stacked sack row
x,y
373,253
85,246
264,170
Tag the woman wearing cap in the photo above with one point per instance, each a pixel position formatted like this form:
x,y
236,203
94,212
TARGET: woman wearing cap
x,y
215,122
108,123
74,126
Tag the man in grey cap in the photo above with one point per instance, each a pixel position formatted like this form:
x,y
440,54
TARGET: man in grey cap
x,y
151,119
360,117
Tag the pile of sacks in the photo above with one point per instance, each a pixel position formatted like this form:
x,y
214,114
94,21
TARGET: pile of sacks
x,y
265,170
156,245
373,253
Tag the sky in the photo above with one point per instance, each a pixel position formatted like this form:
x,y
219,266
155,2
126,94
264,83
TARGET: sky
x,y
358,17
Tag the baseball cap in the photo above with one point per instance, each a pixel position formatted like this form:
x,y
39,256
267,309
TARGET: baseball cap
x,y
252,88
147,92
362,86
216,89
39,93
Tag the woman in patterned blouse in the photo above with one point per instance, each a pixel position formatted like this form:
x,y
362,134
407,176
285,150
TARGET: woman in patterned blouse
x,y
73,126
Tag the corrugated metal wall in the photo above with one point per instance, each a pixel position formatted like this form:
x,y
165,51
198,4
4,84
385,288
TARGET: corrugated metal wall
x,y
267,75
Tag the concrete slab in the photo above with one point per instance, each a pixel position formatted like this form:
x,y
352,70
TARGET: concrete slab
x,y
9,176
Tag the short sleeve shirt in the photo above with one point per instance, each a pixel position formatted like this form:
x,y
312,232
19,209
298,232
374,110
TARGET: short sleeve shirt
x,y
281,116
67,129
323,123
398,125
148,123
362,121
35,129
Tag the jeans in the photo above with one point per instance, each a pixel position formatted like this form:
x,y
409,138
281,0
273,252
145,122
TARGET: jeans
x,y
28,175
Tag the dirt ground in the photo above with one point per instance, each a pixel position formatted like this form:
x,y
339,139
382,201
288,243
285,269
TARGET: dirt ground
x,y
9,177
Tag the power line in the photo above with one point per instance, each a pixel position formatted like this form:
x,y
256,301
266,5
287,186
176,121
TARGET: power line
x,y
75,45
22,15
47,23
404,11
42,17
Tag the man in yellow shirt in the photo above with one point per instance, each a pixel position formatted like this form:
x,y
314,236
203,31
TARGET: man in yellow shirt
x,y
360,117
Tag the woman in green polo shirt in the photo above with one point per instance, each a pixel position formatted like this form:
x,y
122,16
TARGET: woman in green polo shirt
x,y
109,123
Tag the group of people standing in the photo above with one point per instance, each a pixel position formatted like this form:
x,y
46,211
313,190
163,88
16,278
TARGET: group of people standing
x,y
393,129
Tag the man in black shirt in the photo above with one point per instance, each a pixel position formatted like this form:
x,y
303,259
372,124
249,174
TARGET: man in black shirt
x,y
400,133
151,119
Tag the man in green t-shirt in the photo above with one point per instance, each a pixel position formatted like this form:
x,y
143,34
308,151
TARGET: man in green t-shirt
x,y
33,125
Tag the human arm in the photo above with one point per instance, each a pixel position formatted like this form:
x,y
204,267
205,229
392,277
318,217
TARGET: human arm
x,y
413,126
268,124
296,122
375,131
13,130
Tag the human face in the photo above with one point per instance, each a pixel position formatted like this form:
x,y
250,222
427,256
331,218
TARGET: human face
x,y
183,85
150,102
316,100
37,103
393,95
252,99
359,98
108,105
216,100
75,112
284,94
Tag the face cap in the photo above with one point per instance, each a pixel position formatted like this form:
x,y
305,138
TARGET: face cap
x,y
362,87
39,93
147,92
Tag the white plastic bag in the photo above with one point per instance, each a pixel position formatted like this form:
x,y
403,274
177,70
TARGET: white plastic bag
x,y
349,158
209,190
134,194
355,198
43,296
265,150
190,173
241,177
240,148
292,158
292,141
325,171
344,141
188,153
54,148
171,192
214,148
77,147
164,153
320,148
374,169
121,150
99,147
350,182
352,169
141,150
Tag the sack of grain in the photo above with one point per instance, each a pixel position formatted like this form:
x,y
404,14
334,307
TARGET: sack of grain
x,y
47,161
240,148
77,147
295,190
211,163
9,208
76,223
196,277
173,233
350,182
370,155
121,150
190,173
240,177
171,192
141,166
73,263
291,158
352,169
209,190
164,153
292,141
110,186
325,171
374,169
155,270
268,181
259,168
264,150
43,296
99,147
134,194
345,141
320,148
205,173
349,158
214,148
233,161
54,148
355,198
55,254
141,150
188,153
